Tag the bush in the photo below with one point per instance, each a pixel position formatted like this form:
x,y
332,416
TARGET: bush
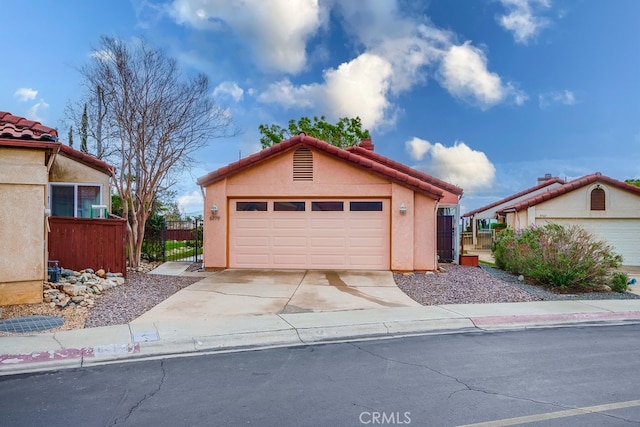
x,y
566,257
619,282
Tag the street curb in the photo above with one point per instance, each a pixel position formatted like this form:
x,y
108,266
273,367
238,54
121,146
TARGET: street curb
x,y
183,344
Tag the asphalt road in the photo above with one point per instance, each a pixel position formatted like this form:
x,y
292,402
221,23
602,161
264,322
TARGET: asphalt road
x,y
440,380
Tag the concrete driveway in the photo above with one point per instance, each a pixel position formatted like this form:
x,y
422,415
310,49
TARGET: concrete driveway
x,y
258,292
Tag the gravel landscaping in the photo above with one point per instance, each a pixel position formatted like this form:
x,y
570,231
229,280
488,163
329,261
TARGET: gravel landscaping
x,y
458,284
455,284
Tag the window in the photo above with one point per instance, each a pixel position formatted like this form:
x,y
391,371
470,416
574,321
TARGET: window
x,y
251,206
288,206
302,165
365,206
75,200
598,199
327,206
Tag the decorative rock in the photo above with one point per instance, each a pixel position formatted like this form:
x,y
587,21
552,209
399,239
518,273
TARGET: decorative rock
x,y
77,299
119,280
101,273
428,273
89,270
74,290
520,278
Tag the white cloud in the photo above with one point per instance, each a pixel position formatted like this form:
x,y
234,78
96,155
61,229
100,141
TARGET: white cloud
x,y
565,97
457,164
522,18
25,94
464,74
34,113
191,203
230,89
277,30
355,88
398,52
417,148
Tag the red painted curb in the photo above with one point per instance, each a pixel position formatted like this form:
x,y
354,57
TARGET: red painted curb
x,y
66,354
533,318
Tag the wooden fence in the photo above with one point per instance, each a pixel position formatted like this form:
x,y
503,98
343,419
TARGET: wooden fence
x,y
79,243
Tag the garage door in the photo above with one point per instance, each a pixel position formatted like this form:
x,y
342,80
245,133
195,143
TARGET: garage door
x,y
309,234
619,233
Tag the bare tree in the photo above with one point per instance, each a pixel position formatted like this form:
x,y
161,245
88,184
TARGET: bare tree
x,y
151,120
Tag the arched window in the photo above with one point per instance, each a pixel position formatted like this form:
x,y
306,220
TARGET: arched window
x,y
303,164
598,199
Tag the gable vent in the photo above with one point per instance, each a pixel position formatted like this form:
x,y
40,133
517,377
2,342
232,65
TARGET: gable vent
x,y
303,164
598,199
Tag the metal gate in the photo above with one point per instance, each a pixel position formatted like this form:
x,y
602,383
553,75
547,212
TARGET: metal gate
x,y
445,233
183,240
173,241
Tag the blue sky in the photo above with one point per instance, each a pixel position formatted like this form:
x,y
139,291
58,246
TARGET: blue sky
x,y
485,94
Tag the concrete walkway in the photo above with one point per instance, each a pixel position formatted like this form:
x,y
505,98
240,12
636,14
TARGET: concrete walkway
x,y
165,335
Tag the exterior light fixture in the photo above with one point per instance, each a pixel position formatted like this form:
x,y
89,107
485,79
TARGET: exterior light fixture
x,y
403,209
214,209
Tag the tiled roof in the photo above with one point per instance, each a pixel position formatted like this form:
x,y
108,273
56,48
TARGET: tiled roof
x,y
364,152
515,196
87,159
20,132
14,127
570,186
369,164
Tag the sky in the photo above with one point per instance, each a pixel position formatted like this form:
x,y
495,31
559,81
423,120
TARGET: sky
x,y
488,95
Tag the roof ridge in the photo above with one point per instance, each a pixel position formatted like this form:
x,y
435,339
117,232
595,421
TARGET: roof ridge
x,y
570,186
363,162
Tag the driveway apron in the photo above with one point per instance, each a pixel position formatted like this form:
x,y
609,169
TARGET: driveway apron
x,y
258,292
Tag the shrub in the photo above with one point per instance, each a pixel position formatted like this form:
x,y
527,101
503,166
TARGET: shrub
x,y
619,282
498,225
566,257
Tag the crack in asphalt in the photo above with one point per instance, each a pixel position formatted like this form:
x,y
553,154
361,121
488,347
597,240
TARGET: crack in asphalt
x,y
467,387
144,398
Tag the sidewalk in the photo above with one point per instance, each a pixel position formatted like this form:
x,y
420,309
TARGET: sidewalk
x,y
87,347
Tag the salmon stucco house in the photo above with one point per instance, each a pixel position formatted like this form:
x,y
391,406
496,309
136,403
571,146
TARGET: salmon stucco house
x,y
306,204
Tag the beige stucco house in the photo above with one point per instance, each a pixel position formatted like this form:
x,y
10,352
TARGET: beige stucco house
x,y
39,176
608,208
306,204
481,235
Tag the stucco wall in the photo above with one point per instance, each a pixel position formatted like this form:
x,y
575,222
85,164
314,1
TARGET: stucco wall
x,y
23,181
577,204
332,178
425,250
72,171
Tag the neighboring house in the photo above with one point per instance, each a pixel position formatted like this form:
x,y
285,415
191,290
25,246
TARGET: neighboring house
x,y
306,204
39,176
607,208
480,219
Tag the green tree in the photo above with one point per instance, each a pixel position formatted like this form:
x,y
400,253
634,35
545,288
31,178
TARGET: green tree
x,y
635,182
152,119
70,136
83,131
345,133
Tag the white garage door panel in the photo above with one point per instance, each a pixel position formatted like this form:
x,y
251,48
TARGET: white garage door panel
x,y
309,239
622,234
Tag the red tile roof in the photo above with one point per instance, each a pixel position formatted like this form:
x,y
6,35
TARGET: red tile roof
x,y
366,152
515,196
19,132
570,186
87,159
14,127
417,181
